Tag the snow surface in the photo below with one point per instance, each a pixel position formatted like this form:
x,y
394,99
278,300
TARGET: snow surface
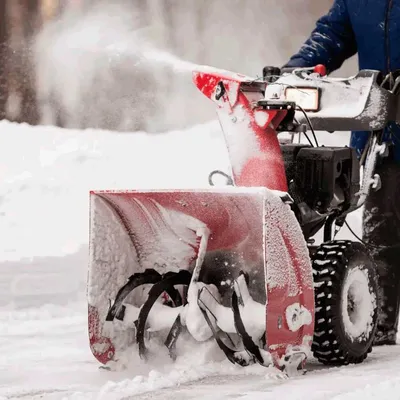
x,y
45,175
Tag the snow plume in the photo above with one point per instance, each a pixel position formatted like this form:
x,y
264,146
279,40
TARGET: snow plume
x,y
149,53
124,64
99,68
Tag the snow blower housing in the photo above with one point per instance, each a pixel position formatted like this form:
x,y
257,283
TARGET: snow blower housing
x,y
236,264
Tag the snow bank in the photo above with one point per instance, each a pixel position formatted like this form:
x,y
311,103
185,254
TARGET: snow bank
x,y
46,175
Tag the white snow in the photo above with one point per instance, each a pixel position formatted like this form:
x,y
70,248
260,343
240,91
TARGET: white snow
x,y
297,316
261,118
242,144
45,175
358,322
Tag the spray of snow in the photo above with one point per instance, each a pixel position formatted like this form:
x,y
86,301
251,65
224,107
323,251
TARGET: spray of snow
x,y
151,54
120,80
91,68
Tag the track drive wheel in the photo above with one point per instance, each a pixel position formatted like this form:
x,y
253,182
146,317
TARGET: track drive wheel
x,y
346,303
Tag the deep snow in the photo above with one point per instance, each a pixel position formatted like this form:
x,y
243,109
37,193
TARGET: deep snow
x,y
46,174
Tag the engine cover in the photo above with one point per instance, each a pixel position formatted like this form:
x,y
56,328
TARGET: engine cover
x,y
327,177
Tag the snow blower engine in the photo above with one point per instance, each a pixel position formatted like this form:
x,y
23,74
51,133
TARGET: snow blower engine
x,y
239,264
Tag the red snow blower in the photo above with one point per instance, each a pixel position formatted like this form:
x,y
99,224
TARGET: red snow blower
x,y
238,264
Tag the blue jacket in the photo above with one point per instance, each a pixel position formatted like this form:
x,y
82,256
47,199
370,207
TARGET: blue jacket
x,y
370,28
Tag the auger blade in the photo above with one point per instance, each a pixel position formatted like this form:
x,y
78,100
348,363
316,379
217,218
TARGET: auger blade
x,y
140,239
260,355
165,285
150,276
235,356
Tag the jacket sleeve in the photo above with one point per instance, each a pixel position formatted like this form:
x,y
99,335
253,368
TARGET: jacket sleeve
x,y
330,43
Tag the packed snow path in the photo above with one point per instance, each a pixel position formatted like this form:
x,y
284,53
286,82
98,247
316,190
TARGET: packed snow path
x,y
45,355
45,175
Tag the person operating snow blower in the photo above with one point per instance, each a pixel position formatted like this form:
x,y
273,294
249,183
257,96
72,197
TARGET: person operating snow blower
x,y
371,29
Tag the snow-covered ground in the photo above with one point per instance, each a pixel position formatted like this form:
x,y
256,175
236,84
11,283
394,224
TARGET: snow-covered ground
x,y
45,176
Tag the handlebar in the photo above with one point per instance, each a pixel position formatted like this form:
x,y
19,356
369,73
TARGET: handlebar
x,y
272,72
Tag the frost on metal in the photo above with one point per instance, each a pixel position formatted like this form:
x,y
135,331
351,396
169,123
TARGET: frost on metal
x,y
283,238
118,251
112,255
353,98
376,104
168,231
115,255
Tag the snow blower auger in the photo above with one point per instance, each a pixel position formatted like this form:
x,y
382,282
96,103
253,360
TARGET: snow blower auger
x,y
239,264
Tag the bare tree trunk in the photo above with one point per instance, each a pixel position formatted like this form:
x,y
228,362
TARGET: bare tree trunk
x,y
3,58
30,19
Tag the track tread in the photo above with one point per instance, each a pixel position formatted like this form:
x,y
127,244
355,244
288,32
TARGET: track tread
x,y
329,266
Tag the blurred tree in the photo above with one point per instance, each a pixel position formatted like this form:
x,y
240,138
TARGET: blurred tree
x,y
49,9
31,21
3,58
